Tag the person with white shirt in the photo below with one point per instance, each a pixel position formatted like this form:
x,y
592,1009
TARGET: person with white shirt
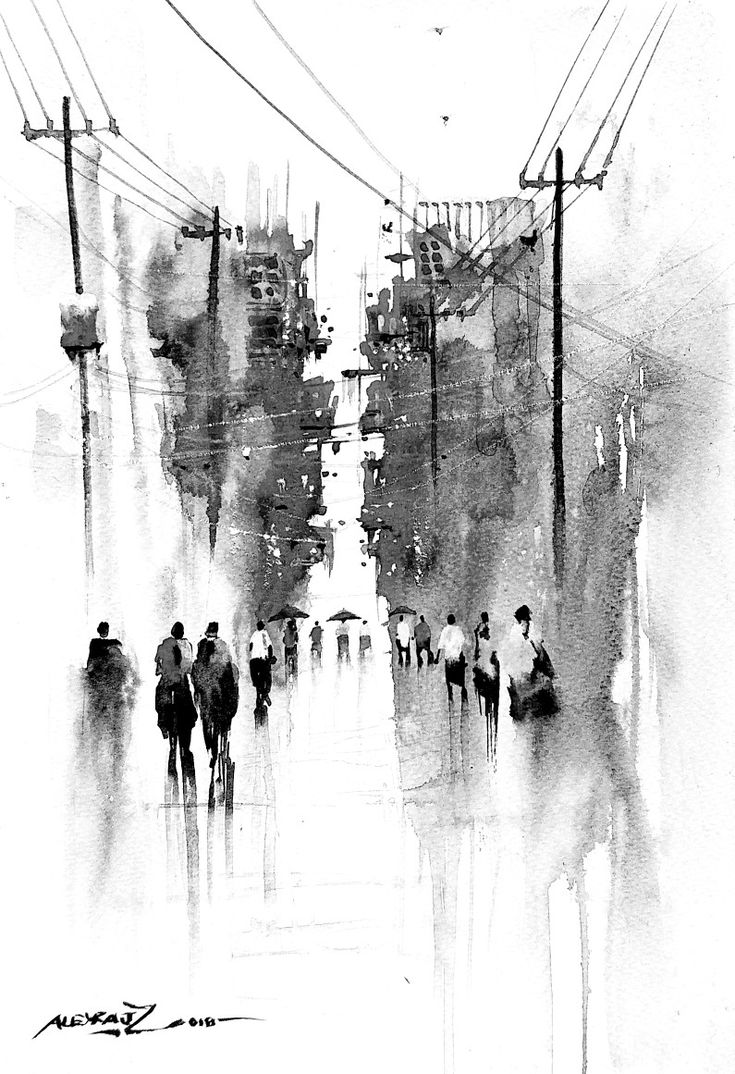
x,y
451,644
403,643
261,658
529,669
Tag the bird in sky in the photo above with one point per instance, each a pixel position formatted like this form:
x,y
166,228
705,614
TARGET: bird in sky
x,y
445,119
438,29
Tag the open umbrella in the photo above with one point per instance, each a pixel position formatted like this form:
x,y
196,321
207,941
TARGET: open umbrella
x,y
403,609
288,611
342,617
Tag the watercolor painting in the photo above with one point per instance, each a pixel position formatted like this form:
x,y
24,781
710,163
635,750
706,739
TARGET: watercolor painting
x,y
366,461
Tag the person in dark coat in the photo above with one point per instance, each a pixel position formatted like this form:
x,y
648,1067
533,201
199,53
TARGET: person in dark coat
x,y
422,637
175,707
111,684
216,691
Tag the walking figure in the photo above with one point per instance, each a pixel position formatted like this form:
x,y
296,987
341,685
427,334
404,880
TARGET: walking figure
x,y
486,676
451,643
261,659
177,713
366,643
530,671
291,648
422,637
316,634
111,684
216,691
403,643
343,642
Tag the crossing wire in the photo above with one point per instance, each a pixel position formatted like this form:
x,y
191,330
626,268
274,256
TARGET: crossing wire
x,y
126,182
86,64
28,73
582,93
616,139
113,129
107,189
563,85
595,139
182,201
15,88
80,106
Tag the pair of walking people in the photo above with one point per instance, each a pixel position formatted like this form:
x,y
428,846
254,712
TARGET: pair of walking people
x,y
209,681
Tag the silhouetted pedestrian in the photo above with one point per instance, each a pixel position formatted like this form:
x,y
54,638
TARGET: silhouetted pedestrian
x,y
177,713
530,671
261,659
215,677
291,647
422,637
111,684
403,642
451,643
486,676
343,642
316,635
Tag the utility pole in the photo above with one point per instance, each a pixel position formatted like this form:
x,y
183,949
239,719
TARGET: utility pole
x,y
560,511
80,337
213,385
559,183
434,399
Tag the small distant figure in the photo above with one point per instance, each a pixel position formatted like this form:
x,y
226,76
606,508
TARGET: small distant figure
x,y
366,643
403,642
451,643
261,660
422,637
343,642
215,677
177,713
530,671
111,687
486,676
291,647
316,634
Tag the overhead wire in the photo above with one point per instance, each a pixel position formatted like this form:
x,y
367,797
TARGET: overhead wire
x,y
563,86
607,115
15,88
176,197
616,139
582,92
75,95
28,73
115,193
86,64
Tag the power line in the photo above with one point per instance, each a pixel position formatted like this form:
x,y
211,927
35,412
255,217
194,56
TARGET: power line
x,y
330,96
143,175
15,88
616,139
75,95
170,176
28,74
594,141
113,125
126,182
582,93
563,85
115,193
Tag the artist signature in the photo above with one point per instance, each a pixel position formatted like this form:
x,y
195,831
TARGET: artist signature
x,y
129,1022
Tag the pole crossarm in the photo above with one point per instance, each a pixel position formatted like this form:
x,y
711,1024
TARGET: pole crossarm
x,y
198,231
31,134
579,180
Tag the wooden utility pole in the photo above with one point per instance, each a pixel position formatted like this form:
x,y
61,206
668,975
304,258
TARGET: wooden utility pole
x,y
434,399
213,381
82,352
557,439
560,511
